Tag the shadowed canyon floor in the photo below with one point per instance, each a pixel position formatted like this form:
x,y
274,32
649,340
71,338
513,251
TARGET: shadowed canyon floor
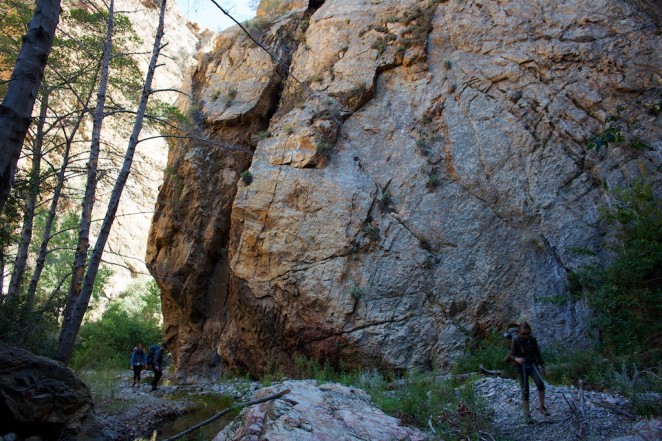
x,y
574,413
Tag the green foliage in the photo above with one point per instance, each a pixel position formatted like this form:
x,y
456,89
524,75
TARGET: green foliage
x,y
35,327
259,136
258,25
626,295
323,148
385,198
35,331
612,133
305,368
356,291
587,366
488,352
454,411
133,319
14,16
590,368
247,177
56,274
10,221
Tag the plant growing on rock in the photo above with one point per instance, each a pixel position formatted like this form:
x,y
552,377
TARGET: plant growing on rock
x,y
259,136
356,291
385,198
433,180
323,148
247,177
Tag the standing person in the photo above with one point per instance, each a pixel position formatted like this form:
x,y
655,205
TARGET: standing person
x,y
138,361
524,352
157,363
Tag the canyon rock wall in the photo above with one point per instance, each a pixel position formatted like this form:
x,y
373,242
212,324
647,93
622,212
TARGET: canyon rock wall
x,y
127,242
406,176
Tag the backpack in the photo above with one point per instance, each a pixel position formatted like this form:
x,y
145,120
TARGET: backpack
x,y
152,354
512,332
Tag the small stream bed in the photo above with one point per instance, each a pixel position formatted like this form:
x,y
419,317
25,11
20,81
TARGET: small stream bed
x,y
136,412
202,407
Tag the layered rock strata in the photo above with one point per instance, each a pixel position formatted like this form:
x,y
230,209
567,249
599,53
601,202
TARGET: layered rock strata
x,y
418,176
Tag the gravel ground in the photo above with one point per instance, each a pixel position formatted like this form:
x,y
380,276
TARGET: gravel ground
x,y
574,414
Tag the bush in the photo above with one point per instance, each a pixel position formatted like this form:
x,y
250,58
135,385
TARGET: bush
x,y
626,295
108,342
489,353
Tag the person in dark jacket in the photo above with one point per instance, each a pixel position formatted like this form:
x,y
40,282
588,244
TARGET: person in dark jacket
x,y
525,354
157,365
138,361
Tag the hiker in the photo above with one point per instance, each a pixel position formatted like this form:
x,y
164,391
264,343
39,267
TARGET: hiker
x,y
525,354
138,361
155,358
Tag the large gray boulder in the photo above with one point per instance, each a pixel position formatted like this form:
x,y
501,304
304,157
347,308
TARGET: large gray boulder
x,y
316,412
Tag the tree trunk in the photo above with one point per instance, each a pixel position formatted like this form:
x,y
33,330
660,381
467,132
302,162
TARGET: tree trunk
x,y
69,333
16,108
80,258
50,219
30,203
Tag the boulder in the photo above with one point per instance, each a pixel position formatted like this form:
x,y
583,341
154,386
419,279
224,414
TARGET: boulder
x,y
41,397
315,412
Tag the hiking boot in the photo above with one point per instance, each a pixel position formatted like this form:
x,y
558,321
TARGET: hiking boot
x,y
541,403
154,387
527,412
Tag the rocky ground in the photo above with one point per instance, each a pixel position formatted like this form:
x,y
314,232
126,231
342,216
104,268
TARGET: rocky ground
x,y
575,414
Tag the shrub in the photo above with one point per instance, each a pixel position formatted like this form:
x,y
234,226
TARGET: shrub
x,y
626,294
356,291
262,134
385,199
247,177
488,352
433,180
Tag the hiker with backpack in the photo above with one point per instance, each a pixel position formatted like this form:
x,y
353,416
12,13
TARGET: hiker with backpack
x,y
155,361
138,362
525,355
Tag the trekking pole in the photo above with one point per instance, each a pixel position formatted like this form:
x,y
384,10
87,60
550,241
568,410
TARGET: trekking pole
x,y
535,368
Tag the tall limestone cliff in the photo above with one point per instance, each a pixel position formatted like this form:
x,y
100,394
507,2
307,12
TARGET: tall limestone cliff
x,y
417,175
